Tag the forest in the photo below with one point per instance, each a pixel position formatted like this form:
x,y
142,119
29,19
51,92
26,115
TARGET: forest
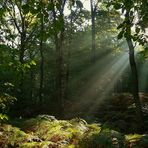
x,y
73,74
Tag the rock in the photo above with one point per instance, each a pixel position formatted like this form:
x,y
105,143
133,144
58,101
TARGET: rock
x,y
47,117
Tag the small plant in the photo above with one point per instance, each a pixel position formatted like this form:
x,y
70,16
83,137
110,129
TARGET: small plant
x,y
3,117
106,138
75,133
5,98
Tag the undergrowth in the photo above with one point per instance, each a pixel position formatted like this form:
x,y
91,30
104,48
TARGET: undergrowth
x,y
47,132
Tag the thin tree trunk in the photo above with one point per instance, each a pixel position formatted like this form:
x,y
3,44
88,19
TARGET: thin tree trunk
x,y
93,48
135,86
21,57
59,79
41,62
60,65
31,82
68,55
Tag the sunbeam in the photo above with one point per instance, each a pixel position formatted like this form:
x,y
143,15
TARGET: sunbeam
x,y
102,81
114,73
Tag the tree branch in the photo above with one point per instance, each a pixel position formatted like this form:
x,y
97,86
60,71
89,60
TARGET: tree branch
x,y
12,16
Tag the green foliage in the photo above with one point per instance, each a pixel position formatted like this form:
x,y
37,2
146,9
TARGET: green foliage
x,y
25,8
144,141
39,144
131,9
12,136
3,117
105,138
132,136
43,132
6,100
136,140
75,133
79,4
57,130
21,80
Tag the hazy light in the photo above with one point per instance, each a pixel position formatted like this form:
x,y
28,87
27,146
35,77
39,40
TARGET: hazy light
x,y
111,77
106,72
143,79
86,4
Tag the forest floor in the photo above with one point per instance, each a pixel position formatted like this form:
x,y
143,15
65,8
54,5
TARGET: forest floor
x,y
46,131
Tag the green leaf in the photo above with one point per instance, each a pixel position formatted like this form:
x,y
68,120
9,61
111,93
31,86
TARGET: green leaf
x,y
32,62
73,2
79,4
3,117
137,29
134,38
50,6
2,11
26,8
126,35
120,26
117,6
146,48
120,35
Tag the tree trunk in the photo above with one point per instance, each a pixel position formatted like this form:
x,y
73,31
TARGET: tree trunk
x,y
68,54
135,86
21,58
59,77
41,62
31,84
93,48
60,63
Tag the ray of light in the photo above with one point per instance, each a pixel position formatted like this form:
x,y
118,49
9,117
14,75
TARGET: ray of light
x,y
119,69
102,82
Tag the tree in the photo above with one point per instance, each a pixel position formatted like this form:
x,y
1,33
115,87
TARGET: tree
x,y
41,53
131,10
58,23
134,72
93,7
21,24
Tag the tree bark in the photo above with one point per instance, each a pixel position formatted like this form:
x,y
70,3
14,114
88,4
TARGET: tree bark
x,y
68,53
60,65
21,56
93,48
31,83
41,62
135,86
